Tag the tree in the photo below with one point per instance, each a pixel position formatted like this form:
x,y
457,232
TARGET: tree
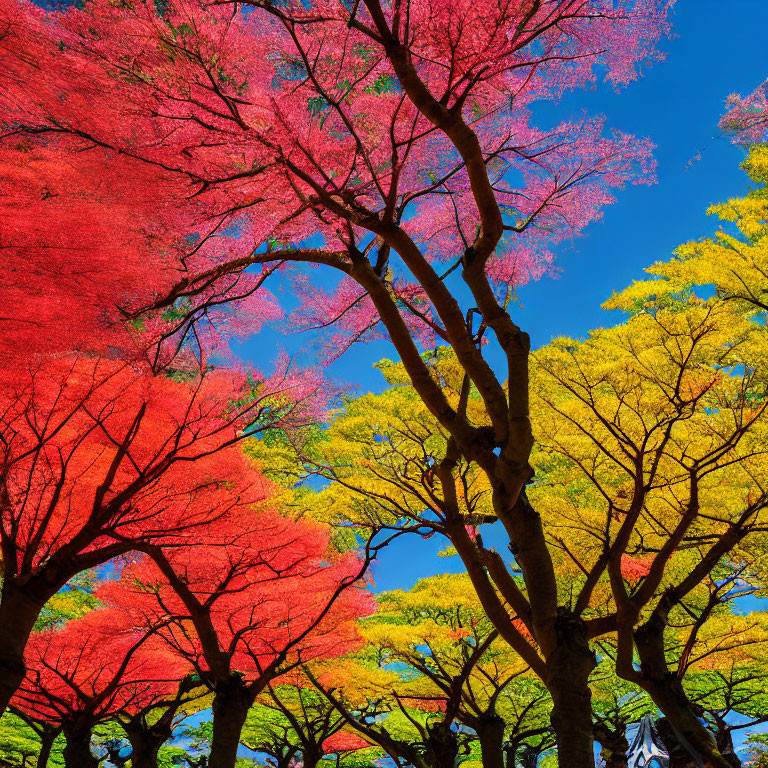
x,y
397,128
292,721
718,655
434,683
255,596
47,734
734,261
650,471
617,705
89,670
747,116
97,457
452,658
651,441
149,727
27,741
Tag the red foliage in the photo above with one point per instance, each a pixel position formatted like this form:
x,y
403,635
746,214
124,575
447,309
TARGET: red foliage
x,y
93,668
634,569
253,594
341,741
247,131
97,456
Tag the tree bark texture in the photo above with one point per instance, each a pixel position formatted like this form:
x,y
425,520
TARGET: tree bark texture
x,y
568,670
614,745
18,614
77,751
490,732
46,745
231,702
145,743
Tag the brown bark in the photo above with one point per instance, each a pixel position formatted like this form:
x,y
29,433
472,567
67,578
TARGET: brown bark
x,y
146,742
679,756
231,702
442,746
614,744
490,733
77,751
19,611
724,741
46,745
568,670
310,758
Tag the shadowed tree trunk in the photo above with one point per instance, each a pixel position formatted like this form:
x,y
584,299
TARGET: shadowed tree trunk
x,y
146,740
46,745
490,732
19,611
310,757
679,756
442,746
529,757
724,741
77,751
46,732
231,702
568,669
614,745
666,690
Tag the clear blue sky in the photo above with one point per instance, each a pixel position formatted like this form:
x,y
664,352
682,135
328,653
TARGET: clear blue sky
x,y
718,48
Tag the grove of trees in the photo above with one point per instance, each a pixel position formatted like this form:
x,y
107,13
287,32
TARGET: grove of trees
x,y
186,540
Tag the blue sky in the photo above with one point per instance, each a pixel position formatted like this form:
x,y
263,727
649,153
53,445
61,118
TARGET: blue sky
x,y
676,104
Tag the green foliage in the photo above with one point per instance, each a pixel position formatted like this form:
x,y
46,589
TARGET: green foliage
x,y
758,750
20,745
74,600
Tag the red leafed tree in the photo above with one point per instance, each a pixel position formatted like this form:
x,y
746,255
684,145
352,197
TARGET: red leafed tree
x,y
257,595
391,141
97,458
87,242
88,671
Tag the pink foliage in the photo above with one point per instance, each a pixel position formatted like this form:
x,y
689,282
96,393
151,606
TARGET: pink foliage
x,y
747,116
634,568
206,134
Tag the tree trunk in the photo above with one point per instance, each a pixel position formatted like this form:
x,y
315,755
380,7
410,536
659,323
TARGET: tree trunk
x,y
310,759
679,756
568,670
77,752
46,745
724,741
490,732
18,614
614,745
442,746
668,695
145,743
529,757
231,702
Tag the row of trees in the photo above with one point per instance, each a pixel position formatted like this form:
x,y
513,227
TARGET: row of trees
x,y
167,160
431,684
